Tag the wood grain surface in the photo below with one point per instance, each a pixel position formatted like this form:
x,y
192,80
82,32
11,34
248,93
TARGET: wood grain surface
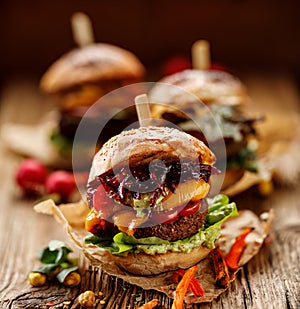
x,y
270,280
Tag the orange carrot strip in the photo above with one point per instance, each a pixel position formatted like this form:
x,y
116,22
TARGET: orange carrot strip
x,y
221,270
236,250
182,287
194,286
151,304
178,273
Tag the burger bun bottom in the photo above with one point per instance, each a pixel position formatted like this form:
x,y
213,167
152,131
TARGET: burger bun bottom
x,y
146,264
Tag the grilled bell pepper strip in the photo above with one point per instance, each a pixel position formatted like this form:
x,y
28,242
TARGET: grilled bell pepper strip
x,y
182,287
220,267
236,250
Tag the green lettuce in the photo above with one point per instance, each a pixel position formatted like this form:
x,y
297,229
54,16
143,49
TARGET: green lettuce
x,y
245,158
63,144
219,210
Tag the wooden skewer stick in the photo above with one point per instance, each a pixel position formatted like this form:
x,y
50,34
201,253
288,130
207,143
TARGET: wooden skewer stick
x,y
201,55
82,29
143,110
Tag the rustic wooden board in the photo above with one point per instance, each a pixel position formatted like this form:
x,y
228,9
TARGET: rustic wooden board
x,y
270,280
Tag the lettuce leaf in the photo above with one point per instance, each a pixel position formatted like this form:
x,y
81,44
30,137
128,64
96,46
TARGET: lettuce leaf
x,y
245,158
219,210
63,145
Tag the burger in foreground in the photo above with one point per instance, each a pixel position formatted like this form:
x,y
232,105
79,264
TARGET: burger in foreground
x,y
148,232
225,96
148,192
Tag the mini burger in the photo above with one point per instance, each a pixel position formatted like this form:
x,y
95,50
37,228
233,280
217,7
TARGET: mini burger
x,y
148,197
225,96
82,76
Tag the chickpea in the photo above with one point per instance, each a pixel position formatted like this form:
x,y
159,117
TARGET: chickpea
x,y
72,279
37,279
87,299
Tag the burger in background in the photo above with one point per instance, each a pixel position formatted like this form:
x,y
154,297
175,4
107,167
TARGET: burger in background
x,y
82,76
225,96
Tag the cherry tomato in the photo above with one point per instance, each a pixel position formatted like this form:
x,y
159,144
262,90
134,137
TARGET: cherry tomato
x,y
176,64
31,176
61,183
165,217
190,209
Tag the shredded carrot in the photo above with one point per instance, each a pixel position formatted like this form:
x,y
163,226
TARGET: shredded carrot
x,y
194,286
236,250
182,287
221,270
151,304
178,273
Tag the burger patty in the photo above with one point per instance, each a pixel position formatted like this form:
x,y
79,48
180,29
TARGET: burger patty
x,y
182,228
69,122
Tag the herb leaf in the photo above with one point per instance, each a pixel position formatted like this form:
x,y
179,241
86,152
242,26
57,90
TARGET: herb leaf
x,y
57,244
47,269
56,252
46,256
62,254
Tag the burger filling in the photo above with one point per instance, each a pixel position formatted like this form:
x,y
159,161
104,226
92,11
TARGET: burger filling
x,y
155,208
237,130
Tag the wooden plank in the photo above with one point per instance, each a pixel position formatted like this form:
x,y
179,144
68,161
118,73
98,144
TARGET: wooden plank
x,y
270,280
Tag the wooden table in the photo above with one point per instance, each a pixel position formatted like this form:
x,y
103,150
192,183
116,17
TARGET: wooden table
x,y
269,280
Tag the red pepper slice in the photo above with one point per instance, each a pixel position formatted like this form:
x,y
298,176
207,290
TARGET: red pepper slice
x,y
236,250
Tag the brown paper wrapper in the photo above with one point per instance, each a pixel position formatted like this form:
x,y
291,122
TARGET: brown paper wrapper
x,y
34,141
72,217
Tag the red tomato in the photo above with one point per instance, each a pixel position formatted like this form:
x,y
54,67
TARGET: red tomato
x,y
31,176
176,64
190,209
103,203
61,183
165,217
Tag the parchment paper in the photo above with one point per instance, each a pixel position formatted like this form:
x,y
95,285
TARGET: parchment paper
x,y
72,217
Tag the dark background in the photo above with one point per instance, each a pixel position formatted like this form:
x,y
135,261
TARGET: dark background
x,y
261,35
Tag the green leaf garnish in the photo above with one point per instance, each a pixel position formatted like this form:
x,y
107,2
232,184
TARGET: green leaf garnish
x,y
57,244
56,252
47,269
46,256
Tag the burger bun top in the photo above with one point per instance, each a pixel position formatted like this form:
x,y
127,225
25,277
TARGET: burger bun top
x,y
210,87
91,64
142,145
